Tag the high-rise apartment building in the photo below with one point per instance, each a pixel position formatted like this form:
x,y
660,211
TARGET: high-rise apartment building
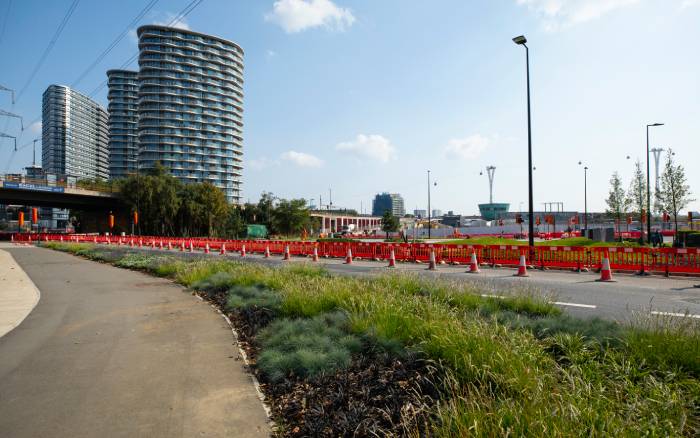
x,y
388,201
74,134
190,106
123,122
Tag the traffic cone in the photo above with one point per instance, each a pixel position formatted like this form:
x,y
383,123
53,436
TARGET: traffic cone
x,y
191,247
522,268
315,256
182,246
431,262
206,248
605,272
223,249
473,264
160,244
153,244
392,259
348,257
170,245
286,252
243,251
131,243
267,252
61,238
140,243
94,239
12,238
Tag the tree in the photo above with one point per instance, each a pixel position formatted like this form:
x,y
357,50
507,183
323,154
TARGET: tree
x,y
390,223
675,192
617,201
290,216
234,226
637,194
203,209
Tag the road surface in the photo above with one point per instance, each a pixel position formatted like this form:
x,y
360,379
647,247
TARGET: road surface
x,y
109,352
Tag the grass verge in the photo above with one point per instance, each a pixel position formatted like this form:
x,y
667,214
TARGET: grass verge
x,y
511,367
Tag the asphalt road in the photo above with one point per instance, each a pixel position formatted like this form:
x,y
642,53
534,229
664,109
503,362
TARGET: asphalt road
x,y
579,294
109,352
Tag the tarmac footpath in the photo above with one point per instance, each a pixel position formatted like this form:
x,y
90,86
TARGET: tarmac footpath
x,y
116,353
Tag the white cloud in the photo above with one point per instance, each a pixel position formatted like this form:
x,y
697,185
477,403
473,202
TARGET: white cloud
x,y
35,128
169,16
372,146
302,159
298,15
467,148
689,3
559,14
270,53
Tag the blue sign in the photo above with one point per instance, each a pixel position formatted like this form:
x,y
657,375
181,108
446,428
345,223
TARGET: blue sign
x,y
35,187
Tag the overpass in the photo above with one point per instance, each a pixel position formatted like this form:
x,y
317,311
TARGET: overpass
x,y
15,190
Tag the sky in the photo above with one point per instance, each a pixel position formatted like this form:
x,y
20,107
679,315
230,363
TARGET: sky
x,y
360,97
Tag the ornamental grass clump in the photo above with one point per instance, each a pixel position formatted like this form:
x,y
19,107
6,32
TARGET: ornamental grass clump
x,y
305,347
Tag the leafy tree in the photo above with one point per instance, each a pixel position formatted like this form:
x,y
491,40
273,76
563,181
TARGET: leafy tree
x,y
675,192
203,209
618,203
290,216
155,197
637,194
390,223
234,225
265,209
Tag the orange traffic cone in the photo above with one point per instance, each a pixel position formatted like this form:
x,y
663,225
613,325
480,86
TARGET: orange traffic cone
x,y
153,244
191,247
243,251
131,243
431,262
140,243
392,259
61,238
605,272
267,252
286,252
182,246
522,268
160,244
206,248
473,265
315,256
223,249
12,238
348,257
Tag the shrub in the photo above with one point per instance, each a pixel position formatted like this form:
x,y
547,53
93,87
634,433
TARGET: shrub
x,y
246,297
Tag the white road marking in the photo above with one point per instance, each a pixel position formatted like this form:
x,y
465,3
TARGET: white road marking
x,y
558,303
585,306
681,315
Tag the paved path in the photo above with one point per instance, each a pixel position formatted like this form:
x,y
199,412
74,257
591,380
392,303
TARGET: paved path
x,y
109,352
18,295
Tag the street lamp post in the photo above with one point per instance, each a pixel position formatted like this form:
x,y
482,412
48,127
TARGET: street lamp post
x,y
521,40
429,227
648,186
585,199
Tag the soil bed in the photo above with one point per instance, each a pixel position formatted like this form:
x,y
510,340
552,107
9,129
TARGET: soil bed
x,y
377,395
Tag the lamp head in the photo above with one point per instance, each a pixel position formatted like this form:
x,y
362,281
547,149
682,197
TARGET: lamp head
x,y
520,39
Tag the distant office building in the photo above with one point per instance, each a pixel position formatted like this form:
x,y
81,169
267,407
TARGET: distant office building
x,y
190,109
123,122
420,214
388,201
74,134
436,213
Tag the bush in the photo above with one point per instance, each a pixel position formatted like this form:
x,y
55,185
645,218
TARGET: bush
x,y
306,347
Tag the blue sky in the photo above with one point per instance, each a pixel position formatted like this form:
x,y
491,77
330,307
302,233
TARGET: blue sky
x,y
365,96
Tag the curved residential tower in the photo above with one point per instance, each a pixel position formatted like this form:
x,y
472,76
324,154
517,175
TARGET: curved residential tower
x,y
123,122
190,106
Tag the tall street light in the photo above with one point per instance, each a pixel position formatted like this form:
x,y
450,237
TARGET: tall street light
x,y
521,40
648,186
585,199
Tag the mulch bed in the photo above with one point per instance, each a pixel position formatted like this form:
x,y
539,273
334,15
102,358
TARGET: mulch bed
x,y
377,395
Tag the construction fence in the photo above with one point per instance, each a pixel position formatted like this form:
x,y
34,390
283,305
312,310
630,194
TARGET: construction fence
x,y
667,261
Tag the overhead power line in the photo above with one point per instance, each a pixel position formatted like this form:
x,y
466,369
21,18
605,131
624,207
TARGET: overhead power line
x,y
179,17
11,91
116,41
8,114
4,20
2,134
48,49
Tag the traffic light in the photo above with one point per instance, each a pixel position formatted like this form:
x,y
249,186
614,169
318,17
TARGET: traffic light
x,y
111,221
518,218
538,221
